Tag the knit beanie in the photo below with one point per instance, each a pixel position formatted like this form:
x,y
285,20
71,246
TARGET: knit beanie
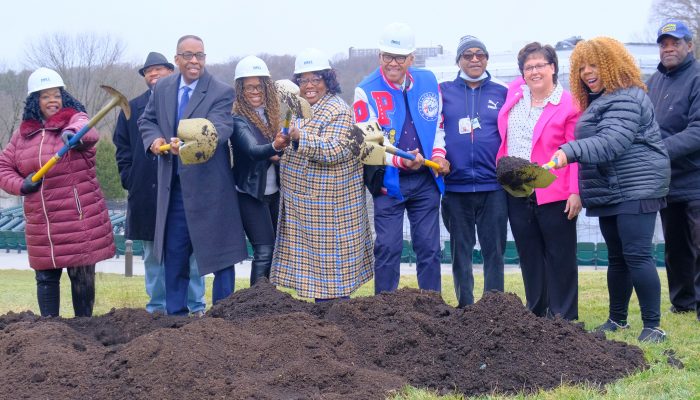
x,y
470,42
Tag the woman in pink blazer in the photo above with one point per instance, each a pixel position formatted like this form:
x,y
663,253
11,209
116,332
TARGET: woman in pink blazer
x,y
538,117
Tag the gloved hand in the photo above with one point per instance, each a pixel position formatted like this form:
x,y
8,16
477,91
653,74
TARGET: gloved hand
x,y
30,187
66,136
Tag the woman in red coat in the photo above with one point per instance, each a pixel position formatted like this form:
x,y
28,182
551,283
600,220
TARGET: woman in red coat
x,y
67,223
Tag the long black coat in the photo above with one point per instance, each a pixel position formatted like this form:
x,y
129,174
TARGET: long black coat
x,y
138,171
208,189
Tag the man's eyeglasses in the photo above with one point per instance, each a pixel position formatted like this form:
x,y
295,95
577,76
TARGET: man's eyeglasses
x,y
314,81
188,55
537,67
253,88
387,58
469,55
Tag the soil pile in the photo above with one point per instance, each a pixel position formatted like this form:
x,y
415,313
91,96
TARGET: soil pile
x,y
263,344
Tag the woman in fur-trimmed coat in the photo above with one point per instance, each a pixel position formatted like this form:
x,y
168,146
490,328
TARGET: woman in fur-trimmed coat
x,y
324,243
67,222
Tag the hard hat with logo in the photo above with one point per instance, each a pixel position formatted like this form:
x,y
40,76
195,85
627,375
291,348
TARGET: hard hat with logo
x,y
43,78
397,38
310,60
251,66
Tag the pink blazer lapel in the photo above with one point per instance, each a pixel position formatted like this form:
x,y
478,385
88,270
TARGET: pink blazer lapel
x,y
547,114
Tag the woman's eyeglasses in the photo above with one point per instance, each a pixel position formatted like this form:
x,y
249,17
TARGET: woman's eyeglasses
x,y
537,67
314,81
253,88
469,55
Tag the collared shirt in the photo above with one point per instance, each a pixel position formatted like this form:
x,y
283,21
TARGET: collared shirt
x,y
181,90
522,120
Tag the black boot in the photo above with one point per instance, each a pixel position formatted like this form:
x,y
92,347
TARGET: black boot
x,y
262,260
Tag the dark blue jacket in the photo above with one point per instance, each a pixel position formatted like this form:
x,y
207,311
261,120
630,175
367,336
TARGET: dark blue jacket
x,y
472,156
676,98
138,172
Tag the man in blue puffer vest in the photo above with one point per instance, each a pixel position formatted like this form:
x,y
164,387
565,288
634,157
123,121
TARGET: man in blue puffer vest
x,y
470,106
405,102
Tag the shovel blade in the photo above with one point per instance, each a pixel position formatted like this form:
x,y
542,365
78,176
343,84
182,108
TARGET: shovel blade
x,y
291,101
201,138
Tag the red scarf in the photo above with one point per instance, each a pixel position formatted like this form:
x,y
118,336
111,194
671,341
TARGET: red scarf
x,y
55,123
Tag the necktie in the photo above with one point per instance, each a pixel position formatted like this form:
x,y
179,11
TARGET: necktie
x,y
183,102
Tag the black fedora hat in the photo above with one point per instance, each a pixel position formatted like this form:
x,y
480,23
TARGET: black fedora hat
x,y
155,59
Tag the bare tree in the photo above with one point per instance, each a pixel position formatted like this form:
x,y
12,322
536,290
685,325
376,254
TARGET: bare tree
x,y
13,91
84,61
687,11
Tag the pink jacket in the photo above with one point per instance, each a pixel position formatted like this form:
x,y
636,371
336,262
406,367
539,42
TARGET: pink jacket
x,y
554,128
67,220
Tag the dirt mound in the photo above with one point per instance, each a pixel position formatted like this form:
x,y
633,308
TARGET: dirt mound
x,y
263,344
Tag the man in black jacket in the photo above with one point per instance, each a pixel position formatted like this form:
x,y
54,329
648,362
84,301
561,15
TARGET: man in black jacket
x,y
138,172
675,91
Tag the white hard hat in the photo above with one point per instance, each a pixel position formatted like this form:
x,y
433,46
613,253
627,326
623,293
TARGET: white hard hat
x,y
43,78
397,38
251,66
310,60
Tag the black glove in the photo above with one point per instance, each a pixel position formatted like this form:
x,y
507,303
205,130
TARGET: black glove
x,y
67,136
30,187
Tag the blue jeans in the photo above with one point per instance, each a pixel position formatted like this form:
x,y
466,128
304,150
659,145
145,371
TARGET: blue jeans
x,y
155,283
464,216
631,265
422,203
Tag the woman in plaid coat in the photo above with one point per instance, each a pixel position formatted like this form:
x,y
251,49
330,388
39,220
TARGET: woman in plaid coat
x,y
324,243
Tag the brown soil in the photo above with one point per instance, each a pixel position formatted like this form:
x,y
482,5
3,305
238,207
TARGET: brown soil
x,y
263,344
511,172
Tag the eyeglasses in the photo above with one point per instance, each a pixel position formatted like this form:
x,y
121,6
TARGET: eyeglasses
x,y
387,58
537,67
252,88
314,81
469,55
188,55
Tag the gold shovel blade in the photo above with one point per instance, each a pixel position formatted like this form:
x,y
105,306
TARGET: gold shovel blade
x,y
201,138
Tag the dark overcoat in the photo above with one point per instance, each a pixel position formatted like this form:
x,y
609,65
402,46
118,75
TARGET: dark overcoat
x,y
208,189
138,172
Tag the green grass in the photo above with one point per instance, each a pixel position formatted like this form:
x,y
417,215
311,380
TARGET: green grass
x,y
661,381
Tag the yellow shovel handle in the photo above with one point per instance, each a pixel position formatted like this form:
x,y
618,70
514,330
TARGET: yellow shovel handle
x,y
432,164
41,172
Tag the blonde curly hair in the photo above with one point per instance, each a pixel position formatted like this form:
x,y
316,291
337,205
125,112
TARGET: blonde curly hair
x,y
272,107
617,68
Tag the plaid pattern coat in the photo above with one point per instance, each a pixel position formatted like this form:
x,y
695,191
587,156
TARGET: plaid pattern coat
x,y
324,244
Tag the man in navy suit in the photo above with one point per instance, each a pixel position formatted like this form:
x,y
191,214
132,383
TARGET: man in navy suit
x,y
197,203
138,173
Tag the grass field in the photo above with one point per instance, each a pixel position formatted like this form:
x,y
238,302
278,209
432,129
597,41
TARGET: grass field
x,y
661,381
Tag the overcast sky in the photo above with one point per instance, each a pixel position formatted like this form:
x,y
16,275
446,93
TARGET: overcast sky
x,y
235,28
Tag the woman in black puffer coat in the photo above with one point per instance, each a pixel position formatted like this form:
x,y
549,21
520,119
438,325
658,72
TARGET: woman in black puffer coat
x,y
624,174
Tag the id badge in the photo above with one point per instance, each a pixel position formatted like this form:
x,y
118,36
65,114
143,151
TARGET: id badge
x,y
475,123
465,126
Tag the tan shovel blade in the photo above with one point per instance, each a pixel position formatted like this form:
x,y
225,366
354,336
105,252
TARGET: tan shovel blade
x,y
290,100
201,139
542,177
371,139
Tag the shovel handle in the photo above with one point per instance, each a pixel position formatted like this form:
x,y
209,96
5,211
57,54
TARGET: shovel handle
x,y
287,122
551,164
169,146
409,156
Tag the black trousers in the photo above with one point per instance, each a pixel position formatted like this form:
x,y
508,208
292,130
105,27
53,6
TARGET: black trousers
x,y
631,265
82,283
546,243
681,224
260,217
